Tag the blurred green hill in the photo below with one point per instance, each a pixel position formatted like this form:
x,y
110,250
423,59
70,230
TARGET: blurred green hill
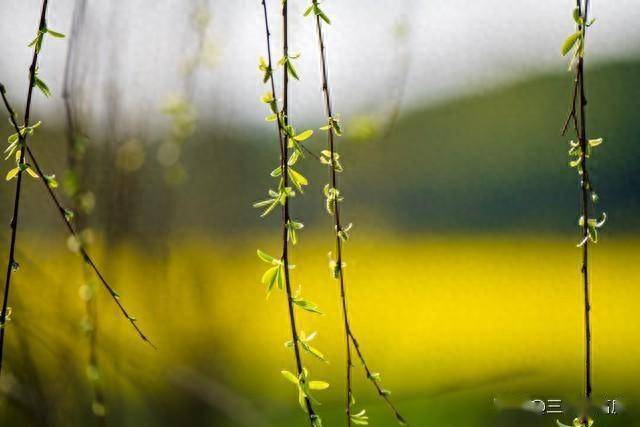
x,y
494,160
491,161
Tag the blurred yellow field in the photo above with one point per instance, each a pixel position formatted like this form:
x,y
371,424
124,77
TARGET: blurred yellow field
x,y
434,314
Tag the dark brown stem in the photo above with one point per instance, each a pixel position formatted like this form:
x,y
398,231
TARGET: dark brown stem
x,y
284,154
577,115
71,229
337,225
349,336
16,203
585,190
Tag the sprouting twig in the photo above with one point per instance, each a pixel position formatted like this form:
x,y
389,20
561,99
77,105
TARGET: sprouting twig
x,y
282,122
65,216
341,232
579,153
11,262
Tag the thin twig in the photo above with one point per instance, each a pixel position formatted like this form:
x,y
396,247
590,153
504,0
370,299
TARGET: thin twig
x,y
585,189
285,208
338,230
11,262
577,116
64,216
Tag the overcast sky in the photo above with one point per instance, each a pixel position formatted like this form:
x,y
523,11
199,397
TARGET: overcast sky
x,y
452,47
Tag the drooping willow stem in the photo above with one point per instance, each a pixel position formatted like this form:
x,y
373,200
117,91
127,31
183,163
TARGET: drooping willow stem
x,y
585,192
577,116
340,233
11,262
64,215
286,217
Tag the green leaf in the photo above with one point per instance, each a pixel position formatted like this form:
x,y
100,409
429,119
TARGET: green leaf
x,y
314,351
42,86
270,276
37,41
32,173
51,181
297,179
267,258
306,305
292,70
570,42
303,136
323,16
576,16
280,277
318,385
12,173
289,376
302,399
595,142
55,34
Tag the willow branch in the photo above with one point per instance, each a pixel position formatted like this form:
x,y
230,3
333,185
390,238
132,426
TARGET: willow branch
x,y
338,230
11,263
71,229
285,176
585,189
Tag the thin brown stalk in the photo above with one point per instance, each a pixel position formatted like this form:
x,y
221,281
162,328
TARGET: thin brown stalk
x,y
64,215
284,155
350,338
11,262
577,116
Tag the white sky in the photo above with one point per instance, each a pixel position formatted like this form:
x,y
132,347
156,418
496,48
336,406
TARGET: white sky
x,y
454,46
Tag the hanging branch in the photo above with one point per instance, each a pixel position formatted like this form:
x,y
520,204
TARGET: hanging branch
x,y
333,198
66,215
579,153
23,134
279,270
78,194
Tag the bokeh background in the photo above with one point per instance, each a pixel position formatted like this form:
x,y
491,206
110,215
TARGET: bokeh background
x,y
463,274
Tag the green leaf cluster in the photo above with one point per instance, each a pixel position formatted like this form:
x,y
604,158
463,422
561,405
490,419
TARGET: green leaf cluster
x,y
275,198
41,85
360,418
287,63
577,157
592,228
332,196
274,274
36,43
304,341
315,8
576,153
266,69
20,167
334,125
305,386
15,140
334,267
576,39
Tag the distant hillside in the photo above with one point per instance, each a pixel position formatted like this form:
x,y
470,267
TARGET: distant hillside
x,y
488,162
497,160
